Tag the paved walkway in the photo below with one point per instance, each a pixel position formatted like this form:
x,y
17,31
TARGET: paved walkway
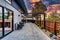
x,y
29,32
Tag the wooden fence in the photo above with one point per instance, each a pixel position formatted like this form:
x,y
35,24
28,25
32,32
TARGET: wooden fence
x,y
52,26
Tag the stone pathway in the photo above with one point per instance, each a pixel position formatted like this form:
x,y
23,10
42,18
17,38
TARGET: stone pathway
x,y
29,32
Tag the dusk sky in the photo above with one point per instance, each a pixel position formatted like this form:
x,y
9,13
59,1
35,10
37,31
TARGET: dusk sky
x,y
46,2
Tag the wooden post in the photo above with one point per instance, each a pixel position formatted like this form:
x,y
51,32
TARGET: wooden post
x,y
44,22
55,28
40,19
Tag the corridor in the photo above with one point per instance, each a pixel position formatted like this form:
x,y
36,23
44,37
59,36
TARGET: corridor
x,y
29,32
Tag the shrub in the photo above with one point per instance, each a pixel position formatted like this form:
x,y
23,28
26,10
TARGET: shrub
x,y
42,26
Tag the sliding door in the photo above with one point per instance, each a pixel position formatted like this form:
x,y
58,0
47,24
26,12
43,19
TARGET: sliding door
x,y
6,21
8,17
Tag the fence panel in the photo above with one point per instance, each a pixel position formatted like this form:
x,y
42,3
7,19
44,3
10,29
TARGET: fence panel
x,y
50,25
